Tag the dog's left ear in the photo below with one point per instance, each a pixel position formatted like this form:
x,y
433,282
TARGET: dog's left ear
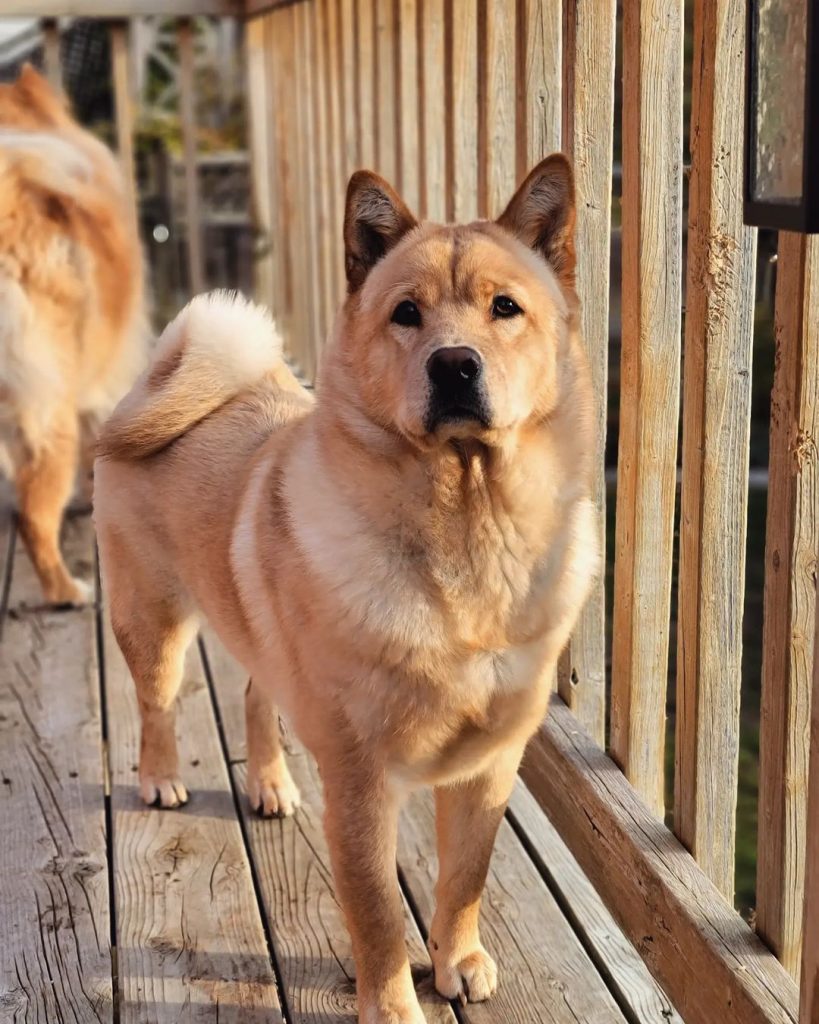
x,y
375,218
542,214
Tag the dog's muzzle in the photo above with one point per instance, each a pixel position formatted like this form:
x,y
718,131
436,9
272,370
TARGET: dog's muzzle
x,y
458,390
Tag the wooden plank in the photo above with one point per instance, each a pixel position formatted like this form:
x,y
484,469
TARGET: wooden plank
x,y
539,81
709,962
365,18
305,138
433,200
496,106
809,1001
281,199
790,600
323,214
348,62
552,982
386,89
187,114
335,142
191,946
293,866
462,133
408,103
123,103
51,46
118,8
716,435
649,388
614,956
55,959
260,115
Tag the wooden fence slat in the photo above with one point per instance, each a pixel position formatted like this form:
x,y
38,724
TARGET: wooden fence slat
x,y
367,95
649,388
462,127
187,114
279,158
539,81
433,198
310,282
707,959
809,1001
497,94
588,116
51,46
260,117
386,89
348,61
55,958
716,437
336,140
408,104
791,548
322,187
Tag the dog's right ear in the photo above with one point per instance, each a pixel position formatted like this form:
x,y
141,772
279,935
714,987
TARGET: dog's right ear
x,y
375,218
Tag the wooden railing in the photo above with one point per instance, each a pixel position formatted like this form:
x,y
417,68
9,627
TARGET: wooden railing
x,y
452,100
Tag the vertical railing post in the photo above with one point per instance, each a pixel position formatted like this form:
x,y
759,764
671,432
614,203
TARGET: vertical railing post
x,y
123,102
187,112
51,47
809,1002
259,109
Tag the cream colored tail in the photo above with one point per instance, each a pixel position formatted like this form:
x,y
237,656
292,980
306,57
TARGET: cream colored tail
x,y
216,347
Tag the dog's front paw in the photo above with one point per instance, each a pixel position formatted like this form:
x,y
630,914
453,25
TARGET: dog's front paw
x,y
409,1013
157,791
69,592
273,794
472,978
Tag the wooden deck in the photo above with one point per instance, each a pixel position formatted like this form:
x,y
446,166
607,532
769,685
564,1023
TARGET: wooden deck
x,y
113,912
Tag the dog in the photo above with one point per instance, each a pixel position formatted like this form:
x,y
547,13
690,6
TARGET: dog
x,y
72,323
397,563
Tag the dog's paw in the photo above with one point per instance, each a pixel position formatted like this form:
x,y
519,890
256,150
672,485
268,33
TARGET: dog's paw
x,y
273,796
473,978
70,592
162,792
410,1013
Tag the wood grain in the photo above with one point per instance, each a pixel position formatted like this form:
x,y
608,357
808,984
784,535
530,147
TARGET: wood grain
x,y
308,87
545,975
496,103
809,1001
262,178
791,547
323,194
187,116
55,958
121,8
336,129
707,959
386,89
649,388
432,46
408,104
367,95
588,138
539,82
462,126
191,947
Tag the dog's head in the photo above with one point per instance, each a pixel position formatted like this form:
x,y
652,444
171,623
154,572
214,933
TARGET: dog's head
x,y
456,332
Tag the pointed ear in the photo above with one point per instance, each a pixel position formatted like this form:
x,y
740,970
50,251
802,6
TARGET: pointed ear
x,y
375,219
541,214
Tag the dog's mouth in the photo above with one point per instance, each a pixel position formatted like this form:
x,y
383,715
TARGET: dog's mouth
x,y
462,412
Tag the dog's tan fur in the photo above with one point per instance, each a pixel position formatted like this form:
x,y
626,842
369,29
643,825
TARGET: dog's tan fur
x,y
402,595
72,329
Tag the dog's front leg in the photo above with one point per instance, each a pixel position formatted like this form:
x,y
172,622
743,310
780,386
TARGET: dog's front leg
x,y
467,818
361,821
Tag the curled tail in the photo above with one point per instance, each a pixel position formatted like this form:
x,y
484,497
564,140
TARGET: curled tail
x,y
216,347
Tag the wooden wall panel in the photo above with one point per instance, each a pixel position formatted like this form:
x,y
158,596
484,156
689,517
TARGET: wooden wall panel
x,y
433,204
408,105
809,1001
497,88
461,24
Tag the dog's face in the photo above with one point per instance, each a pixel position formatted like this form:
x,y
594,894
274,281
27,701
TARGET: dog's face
x,y
456,332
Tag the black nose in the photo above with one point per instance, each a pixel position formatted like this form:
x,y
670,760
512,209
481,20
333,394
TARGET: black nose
x,y
454,370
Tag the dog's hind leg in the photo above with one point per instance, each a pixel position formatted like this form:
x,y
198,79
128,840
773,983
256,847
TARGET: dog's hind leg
x,y
44,480
270,787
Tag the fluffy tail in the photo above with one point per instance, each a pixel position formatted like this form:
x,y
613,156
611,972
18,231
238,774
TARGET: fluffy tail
x,y
216,347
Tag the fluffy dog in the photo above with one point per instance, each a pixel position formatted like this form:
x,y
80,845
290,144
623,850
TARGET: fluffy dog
x,y
397,564
72,328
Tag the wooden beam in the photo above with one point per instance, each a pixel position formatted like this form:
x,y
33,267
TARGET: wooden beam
x,y
260,121
187,111
123,103
649,388
122,8
790,600
706,958
588,119
51,46
461,71
497,45
809,1002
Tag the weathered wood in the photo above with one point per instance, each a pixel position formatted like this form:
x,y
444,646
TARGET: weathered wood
x,y
120,8
408,103
462,128
496,105
335,142
386,89
539,109
699,949
124,104
809,1001
588,117
550,980
323,216
627,976
649,388
55,960
367,96
306,87
187,114
189,933
293,866
433,110
791,545
260,118
348,59
716,434
51,47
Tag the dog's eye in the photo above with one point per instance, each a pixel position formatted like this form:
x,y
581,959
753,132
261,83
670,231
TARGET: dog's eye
x,y
406,314
503,307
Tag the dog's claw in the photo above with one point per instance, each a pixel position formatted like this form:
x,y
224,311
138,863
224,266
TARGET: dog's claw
x,y
163,793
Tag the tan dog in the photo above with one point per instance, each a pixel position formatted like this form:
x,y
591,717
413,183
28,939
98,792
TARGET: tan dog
x,y
72,328
397,565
